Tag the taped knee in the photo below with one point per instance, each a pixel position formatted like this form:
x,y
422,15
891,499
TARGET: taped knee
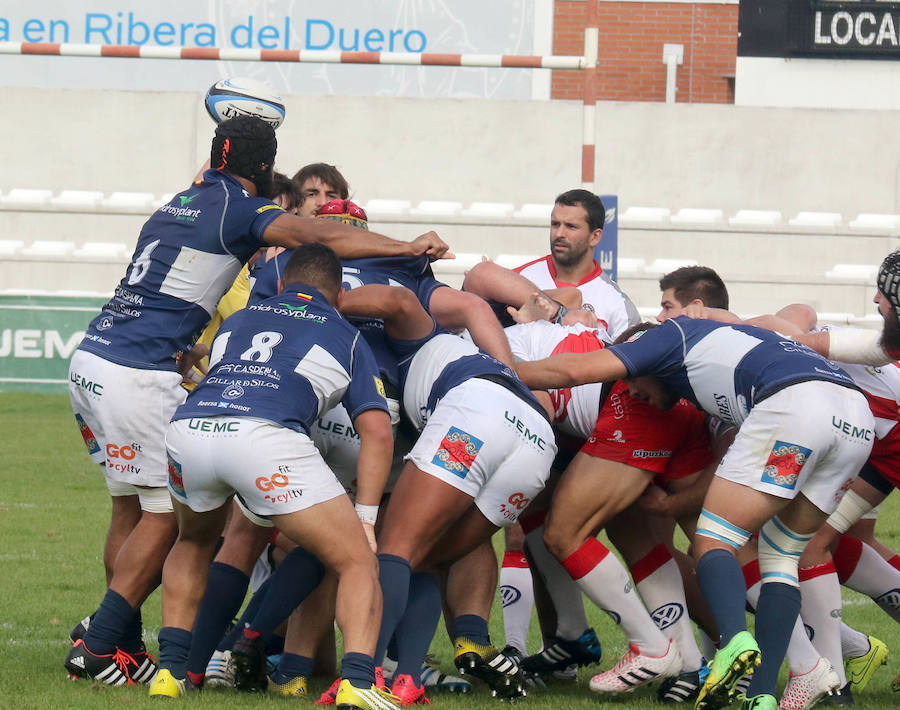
x,y
155,500
850,510
779,552
717,528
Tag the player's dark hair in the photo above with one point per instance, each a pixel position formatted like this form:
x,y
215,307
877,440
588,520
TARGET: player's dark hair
x,y
245,146
593,205
635,330
287,190
328,174
700,282
315,265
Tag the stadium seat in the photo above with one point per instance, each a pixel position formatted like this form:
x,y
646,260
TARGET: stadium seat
x,y
875,222
102,251
77,201
428,208
489,210
694,216
384,209
755,218
459,265
630,265
10,247
664,266
853,272
531,213
47,249
23,199
511,261
818,221
128,202
644,215
163,200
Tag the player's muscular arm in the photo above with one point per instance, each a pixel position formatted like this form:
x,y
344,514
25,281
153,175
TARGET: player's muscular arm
x,y
348,242
403,315
495,283
571,369
376,445
456,310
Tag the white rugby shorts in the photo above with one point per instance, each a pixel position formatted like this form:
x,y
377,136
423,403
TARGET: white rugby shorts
x,y
276,470
811,437
338,441
123,413
486,441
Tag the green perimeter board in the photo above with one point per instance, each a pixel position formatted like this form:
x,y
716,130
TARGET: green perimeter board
x,y
38,335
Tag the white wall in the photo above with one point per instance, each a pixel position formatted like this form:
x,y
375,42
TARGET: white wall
x,y
469,150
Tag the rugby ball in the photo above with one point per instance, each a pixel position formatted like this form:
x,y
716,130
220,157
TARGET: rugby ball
x,y
244,97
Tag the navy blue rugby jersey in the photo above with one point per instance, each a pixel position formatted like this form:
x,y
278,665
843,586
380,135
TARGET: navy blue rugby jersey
x,y
723,368
434,365
412,272
187,256
287,360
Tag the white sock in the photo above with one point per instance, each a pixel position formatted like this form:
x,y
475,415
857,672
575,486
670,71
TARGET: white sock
x,y
707,645
821,611
865,571
802,656
658,581
517,597
571,620
853,643
603,578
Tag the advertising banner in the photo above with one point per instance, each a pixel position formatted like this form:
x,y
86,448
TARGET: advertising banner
x,y
460,26
38,335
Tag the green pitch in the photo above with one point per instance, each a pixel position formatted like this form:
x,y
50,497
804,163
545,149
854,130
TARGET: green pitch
x,y
53,515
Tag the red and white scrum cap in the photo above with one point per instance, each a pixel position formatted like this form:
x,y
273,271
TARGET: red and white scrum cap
x,y
345,211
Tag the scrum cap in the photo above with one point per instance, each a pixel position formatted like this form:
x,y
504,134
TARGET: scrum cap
x,y
244,146
345,211
889,280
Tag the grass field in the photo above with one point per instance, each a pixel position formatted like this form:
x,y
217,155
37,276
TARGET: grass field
x,y
53,515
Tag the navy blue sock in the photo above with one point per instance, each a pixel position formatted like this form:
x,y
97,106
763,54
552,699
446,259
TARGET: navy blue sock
x,y
110,622
393,575
290,666
298,574
473,627
776,613
132,640
722,583
392,647
225,592
249,614
359,669
274,645
416,629
173,650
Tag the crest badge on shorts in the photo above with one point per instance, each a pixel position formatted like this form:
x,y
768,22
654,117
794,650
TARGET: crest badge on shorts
x,y
784,464
457,452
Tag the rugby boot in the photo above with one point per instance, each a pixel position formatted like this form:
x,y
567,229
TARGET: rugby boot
x,y
406,690
295,687
805,690
109,668
501,673
636,669
738,658
249,658
165,685
562,653
860,669
372,698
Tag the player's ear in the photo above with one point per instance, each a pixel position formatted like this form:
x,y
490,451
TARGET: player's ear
x,y
697,302
280,285
340,298
595,237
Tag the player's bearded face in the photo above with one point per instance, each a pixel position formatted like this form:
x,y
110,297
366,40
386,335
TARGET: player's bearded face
x,y
890,336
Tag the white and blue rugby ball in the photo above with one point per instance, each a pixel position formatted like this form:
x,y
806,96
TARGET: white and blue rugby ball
x,y
244,97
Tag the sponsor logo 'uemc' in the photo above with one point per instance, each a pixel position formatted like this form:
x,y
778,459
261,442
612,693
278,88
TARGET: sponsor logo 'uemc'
x,y
523,429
